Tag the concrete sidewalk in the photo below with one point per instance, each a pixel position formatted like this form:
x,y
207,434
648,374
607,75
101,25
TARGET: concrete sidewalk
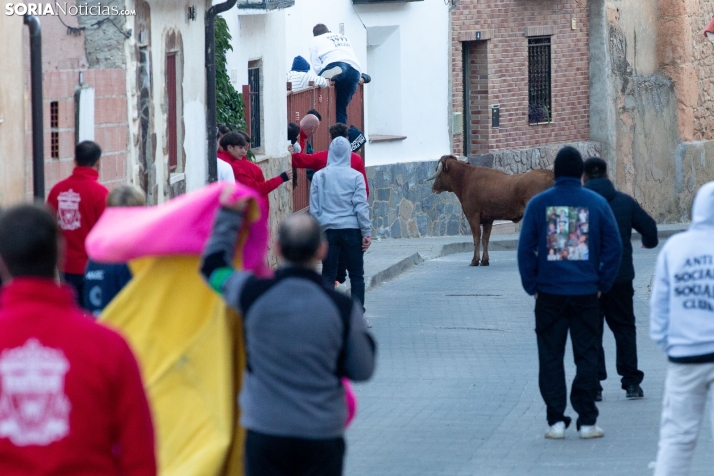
x,y
388,259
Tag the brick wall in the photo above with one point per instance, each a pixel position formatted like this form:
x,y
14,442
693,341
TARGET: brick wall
x,y
504,25
110,130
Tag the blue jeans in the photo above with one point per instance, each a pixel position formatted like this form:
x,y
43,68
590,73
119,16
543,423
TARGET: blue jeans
x,y
345,87
347,244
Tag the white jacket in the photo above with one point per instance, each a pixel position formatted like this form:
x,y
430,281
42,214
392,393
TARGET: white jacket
x,y
302,80
682,301
331,48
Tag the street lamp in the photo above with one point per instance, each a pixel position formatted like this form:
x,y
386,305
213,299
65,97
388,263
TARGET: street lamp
x,y
709,31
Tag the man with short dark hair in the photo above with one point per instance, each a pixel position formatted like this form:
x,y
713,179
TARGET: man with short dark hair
x,y
71,396
301,339
568,254
616,305
79,201
332,58
246,172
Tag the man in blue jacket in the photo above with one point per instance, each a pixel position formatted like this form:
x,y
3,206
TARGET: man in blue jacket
x,y
616,305
568,254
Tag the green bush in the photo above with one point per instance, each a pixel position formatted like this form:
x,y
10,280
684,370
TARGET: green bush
x,y
229,102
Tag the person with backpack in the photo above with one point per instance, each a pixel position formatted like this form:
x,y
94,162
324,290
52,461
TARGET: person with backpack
x,y
301,338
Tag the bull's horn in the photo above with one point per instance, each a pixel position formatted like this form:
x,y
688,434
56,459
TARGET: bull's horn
x,y
438,171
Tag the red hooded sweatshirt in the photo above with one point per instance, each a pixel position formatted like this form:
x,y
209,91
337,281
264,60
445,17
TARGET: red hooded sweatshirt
x,y
71,397
249,174
318,161
79,201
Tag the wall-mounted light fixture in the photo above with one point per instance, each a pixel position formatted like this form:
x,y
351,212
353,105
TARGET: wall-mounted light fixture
x,y
191,13
709,31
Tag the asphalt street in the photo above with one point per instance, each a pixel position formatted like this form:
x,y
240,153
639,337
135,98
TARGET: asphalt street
x,y
456,389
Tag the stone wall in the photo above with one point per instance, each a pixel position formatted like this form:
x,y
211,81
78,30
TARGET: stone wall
x,y
403,205
281,201
651,99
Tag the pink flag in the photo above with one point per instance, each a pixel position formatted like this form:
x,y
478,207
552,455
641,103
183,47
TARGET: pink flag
x,y
180,226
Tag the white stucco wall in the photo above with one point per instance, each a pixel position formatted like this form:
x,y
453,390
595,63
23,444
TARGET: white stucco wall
x,y
262,37
423,67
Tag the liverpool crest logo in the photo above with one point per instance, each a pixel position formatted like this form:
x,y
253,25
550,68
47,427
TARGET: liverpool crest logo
x,y
34,409
68,215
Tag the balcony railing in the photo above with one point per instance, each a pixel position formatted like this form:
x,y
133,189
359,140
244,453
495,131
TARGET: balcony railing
x,y
323,101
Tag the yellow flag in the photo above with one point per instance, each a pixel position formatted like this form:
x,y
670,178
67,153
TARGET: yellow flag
x,y
189,345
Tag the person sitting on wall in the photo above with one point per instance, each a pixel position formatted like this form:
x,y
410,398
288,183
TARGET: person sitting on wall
x,y
300,76
332,58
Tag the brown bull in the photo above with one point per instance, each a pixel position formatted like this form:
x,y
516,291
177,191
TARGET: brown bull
x,y
487,195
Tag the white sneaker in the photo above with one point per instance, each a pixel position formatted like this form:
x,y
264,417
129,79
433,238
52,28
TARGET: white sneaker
x,y
331,73
591,431
556,431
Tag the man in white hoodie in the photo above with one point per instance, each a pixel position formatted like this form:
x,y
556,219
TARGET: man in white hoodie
x,y
338,200
332,58
682,324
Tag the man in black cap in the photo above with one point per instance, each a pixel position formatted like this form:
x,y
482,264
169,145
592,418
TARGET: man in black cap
x,y
616,305
568,254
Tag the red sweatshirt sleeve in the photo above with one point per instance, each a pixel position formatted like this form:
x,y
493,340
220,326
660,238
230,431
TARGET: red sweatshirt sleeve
x,y
263,187
135,438
358,164
315,161
303,139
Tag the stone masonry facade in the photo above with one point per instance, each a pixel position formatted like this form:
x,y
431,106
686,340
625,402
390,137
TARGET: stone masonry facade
x,y
491,40
403,205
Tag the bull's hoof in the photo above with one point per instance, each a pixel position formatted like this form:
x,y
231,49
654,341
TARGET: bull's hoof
x,y
474,262
484,262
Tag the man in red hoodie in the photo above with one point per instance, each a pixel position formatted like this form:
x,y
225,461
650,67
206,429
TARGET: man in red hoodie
x,y
235,147
71,396
78,201
318,160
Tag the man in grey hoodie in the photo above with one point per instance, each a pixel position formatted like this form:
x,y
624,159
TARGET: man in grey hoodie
x,y
338,200
681,310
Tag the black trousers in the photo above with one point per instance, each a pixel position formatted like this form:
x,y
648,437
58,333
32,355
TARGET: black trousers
x,y
346,247
617,309
555,315
267,455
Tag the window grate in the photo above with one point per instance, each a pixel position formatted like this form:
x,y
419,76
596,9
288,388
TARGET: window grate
x,y
539,80
54,133
254,83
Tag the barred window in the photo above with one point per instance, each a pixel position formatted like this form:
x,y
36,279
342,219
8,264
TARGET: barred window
x,y
54,130
539,107
255,119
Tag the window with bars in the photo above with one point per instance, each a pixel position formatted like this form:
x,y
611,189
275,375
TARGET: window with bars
x,y
539,81
254,84
54,130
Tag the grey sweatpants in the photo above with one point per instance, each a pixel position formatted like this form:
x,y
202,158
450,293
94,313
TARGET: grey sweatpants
x,y
686,391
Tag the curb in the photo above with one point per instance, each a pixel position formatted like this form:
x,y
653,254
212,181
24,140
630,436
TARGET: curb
x,y
495,244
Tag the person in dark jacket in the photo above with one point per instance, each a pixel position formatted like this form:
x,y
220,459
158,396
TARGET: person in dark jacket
x,y
568,253
616,305
301,338
103,281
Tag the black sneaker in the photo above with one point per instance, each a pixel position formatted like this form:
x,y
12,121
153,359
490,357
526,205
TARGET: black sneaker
x,y
598,396
634,391
366,78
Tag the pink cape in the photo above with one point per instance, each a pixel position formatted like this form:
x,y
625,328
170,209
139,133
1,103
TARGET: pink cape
x,y
180,226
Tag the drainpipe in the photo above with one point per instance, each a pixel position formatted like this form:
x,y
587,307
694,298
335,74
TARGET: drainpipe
x,y
38,143
212,151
